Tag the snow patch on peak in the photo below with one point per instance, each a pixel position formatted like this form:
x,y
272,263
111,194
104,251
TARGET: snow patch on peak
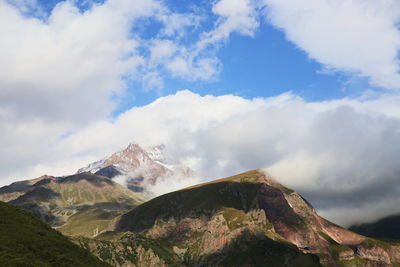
x,y
156,153
142,169
92,167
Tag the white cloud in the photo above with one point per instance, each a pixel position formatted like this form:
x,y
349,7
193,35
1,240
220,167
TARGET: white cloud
x,y
177,24
341,154
234,16
55,69
199,61
162,50
359,36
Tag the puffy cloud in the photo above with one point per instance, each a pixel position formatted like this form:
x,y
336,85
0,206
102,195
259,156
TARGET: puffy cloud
x,y
177,24
54,68
359,36
234,16
199,61
341,154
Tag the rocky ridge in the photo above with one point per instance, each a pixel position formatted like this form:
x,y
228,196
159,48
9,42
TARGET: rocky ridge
x,y
244,220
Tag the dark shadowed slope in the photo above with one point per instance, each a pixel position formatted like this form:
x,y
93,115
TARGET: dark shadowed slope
x,y
385,228
26,241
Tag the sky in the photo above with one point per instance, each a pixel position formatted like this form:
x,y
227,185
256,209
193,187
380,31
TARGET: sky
x,y
307,90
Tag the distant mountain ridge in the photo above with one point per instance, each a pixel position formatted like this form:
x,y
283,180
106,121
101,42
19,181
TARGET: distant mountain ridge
x,y
86,203
81,204
140,166
385,228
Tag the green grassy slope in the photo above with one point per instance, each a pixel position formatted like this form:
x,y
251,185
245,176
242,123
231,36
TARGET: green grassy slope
x,y
26,241
199,200
78,205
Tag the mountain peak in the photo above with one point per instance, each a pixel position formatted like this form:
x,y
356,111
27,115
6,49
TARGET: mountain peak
x,y
252,176
140,166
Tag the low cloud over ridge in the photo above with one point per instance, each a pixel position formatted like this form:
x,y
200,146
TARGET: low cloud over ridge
x,y
342,154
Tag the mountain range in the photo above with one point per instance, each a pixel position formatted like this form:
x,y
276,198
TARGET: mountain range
x,y
80,204
385,228
245,220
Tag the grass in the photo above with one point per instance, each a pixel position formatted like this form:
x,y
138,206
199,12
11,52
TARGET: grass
x,y
371,242
26,241
234,217
248,250
124,249
336,249
192,202
328,238
92,220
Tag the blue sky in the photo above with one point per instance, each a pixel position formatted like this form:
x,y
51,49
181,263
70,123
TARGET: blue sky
x,y
263,65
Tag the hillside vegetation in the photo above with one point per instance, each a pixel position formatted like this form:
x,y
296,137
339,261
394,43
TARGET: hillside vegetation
x,y
26,241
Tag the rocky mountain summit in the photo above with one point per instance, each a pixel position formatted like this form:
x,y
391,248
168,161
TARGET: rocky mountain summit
x,y
243,220
141,167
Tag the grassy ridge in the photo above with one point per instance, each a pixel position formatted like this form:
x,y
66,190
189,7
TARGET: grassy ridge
x,y
26,241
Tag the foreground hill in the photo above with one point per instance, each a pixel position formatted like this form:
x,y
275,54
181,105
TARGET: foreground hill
x,y
244,220
78,205
26,241
385,228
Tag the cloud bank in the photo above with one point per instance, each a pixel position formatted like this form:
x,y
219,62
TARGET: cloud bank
x,y
342,155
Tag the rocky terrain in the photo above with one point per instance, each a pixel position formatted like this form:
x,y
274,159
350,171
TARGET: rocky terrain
x,y
244,220
78,205
141,167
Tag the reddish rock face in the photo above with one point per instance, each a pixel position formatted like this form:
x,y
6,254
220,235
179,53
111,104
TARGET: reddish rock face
x,y
374,253
141,167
